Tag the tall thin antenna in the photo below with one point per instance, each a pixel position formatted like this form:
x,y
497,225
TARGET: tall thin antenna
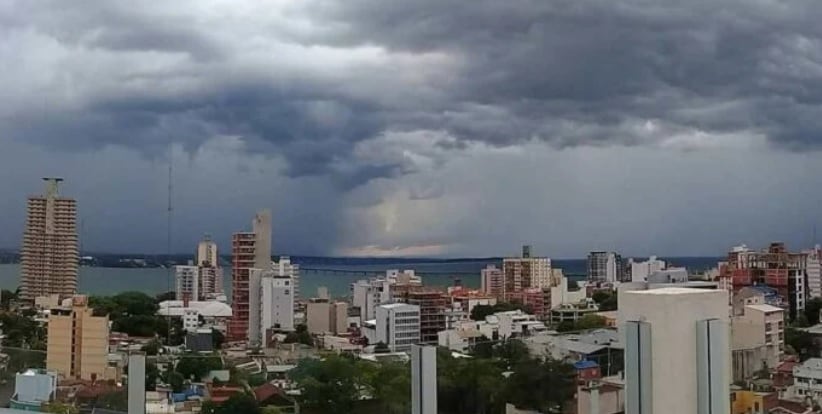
x,y
170,216
814,235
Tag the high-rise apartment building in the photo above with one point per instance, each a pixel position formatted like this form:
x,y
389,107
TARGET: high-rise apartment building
x,y
273,294
814,271
249,250
677,350
774,267
605,267
77,341
49,256
526,272
492,282
398,326
432,305
203,279
207,254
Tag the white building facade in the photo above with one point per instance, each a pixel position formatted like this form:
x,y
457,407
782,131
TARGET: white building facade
x,y
368,294
272,297
398,326
677,350
641,270
807,381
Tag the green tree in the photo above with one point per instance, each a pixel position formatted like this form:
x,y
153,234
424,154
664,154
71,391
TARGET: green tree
x,y
60,408
152,373
801,343
175,380
22,332
116,400
195,367
6,297
590,321
152,348
330,385
801,321
606,300
483,348
162,297
479,312
468,385
511,352
255,380
390,384
566,326
541,385
812,308
217,339
237,404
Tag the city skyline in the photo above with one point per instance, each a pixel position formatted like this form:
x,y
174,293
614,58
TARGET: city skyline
x,y
419,128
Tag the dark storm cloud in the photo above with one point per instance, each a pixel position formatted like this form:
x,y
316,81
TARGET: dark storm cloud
x,y
420,126
565,70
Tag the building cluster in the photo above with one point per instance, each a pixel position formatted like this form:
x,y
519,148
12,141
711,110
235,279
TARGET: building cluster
x,y
723,335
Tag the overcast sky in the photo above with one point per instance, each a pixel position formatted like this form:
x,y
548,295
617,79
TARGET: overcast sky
x,y
419,127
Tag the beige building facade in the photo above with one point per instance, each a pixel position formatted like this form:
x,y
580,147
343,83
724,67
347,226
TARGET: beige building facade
x,y
77,341
324,316
49,255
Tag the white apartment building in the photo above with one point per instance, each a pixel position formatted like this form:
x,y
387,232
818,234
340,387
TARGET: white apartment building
x,y
272,297
604,267
641,270
807,381
188,282
398,326
407,276
368,294
677,350
814,271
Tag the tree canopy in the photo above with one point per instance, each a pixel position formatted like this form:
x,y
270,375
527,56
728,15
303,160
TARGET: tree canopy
x,y
337,384
237,404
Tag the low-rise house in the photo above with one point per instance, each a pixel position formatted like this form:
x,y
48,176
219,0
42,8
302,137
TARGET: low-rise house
x,y
606,393
33,388
587,371
749,402
573,312
807,381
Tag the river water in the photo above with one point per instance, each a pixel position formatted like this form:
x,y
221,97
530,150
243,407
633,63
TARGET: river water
x,y
337,275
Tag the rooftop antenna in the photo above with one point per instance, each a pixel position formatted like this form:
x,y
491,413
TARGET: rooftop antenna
x,y
52,186
170,217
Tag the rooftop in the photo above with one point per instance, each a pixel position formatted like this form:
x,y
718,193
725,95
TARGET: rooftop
x,y
396,305
765,308
584,364
673,291
205,308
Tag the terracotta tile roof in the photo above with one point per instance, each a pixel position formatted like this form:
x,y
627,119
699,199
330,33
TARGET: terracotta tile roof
x,y
266,391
